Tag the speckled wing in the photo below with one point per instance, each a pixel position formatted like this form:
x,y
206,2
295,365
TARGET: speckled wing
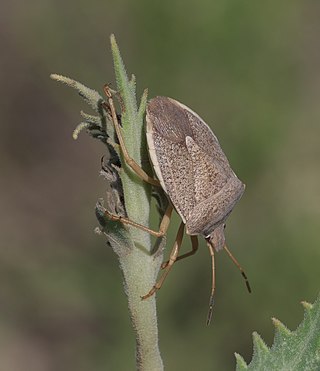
x,y
166,135
186,155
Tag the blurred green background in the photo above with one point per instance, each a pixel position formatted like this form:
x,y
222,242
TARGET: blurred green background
x,y
251,70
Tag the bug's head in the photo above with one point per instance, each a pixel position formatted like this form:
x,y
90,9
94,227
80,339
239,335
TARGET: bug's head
x,y
216,238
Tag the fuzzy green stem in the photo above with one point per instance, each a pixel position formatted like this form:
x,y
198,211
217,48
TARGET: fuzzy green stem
x,y
133,246
143,313
139,267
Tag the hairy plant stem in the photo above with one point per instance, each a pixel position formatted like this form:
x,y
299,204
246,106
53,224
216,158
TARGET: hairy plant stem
x,y
139,267
128,196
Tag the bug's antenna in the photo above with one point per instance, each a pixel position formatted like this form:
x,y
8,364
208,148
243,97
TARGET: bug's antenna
x,y
235,261
213,284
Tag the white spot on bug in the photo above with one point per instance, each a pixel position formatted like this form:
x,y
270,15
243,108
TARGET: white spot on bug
x,y
189,141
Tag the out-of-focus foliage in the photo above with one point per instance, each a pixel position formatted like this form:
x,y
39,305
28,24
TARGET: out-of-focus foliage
x,y
251,70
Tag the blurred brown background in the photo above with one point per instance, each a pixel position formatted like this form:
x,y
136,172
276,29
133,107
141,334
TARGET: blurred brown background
x,y
251,70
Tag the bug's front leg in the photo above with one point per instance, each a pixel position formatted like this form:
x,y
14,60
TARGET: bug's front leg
x,y
129,160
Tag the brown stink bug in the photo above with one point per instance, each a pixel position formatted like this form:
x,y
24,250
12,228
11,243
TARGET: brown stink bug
x,y
195,175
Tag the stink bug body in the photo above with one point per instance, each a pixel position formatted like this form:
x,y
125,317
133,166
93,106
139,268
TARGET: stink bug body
x,y
192,169
193,172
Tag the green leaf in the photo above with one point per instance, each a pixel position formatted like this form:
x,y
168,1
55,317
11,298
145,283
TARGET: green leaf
x,y
92,97
126,88
136,192
143,104
297,350
100,126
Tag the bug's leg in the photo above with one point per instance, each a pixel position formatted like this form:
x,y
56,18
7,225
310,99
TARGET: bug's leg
x,y
235,261
195,245
173,258
130,161
164,225
213,284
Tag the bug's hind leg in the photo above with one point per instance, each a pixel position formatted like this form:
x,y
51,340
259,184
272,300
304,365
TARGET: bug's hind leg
x,y
173,258
129,160
194,249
